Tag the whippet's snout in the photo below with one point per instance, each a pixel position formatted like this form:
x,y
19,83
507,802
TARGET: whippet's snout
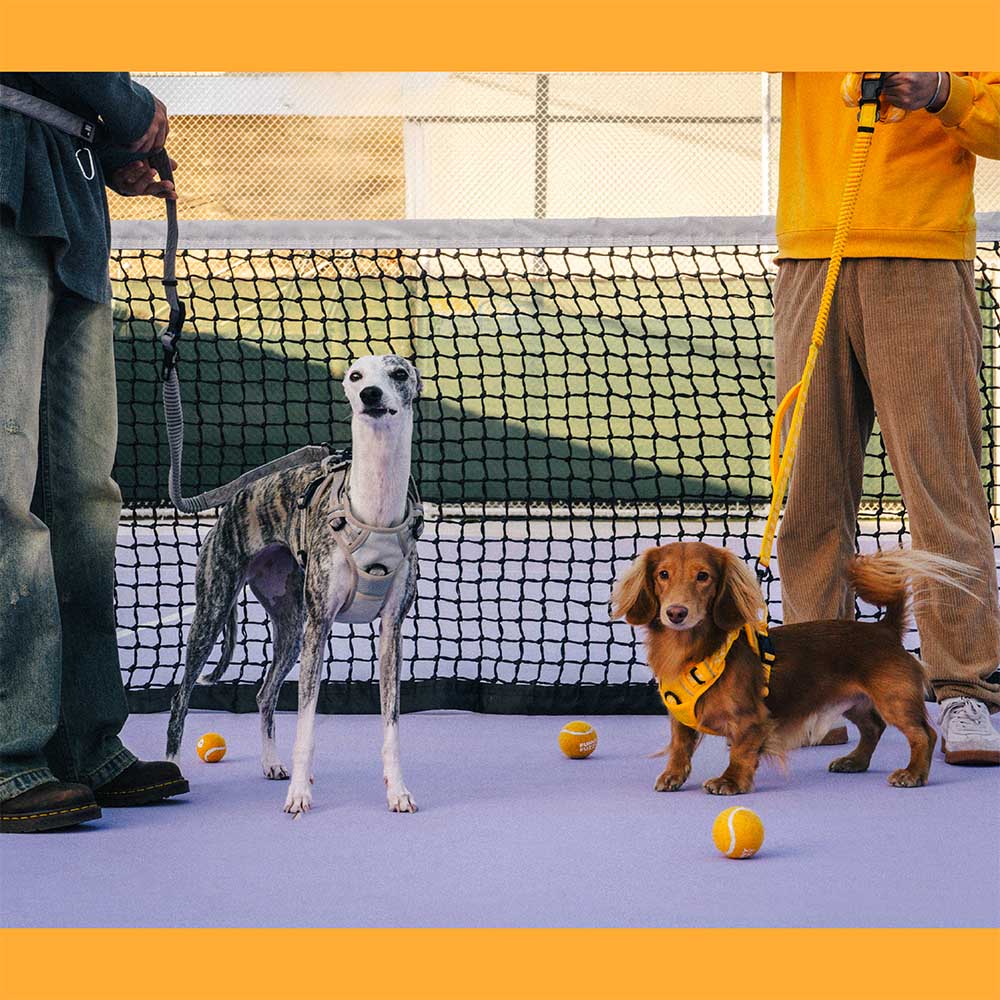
x,y
371,395
676,613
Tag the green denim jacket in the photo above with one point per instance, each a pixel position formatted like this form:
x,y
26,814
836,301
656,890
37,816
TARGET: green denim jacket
x,y
46,180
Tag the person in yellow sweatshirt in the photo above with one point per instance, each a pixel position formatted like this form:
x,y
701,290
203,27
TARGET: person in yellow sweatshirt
x,y
904,343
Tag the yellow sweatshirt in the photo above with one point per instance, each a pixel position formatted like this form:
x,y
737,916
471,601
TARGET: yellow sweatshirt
x,y
916,196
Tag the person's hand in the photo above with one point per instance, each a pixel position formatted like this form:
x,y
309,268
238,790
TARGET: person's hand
x,y
139,178
913,91
155,137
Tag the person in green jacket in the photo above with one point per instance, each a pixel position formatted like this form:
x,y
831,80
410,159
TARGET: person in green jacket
x,y
62,701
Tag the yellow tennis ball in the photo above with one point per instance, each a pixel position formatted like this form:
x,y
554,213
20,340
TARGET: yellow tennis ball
x,y
578,739
211,748
738,832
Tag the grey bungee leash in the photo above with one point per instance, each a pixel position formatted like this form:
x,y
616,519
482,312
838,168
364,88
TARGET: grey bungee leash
x,y
173,409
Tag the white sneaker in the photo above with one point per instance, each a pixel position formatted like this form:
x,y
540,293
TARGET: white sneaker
x,y
967,735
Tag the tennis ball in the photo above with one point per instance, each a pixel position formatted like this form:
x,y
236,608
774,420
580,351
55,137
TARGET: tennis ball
x,y
211,748
738,832
578,739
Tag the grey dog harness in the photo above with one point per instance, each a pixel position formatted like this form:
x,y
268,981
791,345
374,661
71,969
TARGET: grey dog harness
x,y
374,553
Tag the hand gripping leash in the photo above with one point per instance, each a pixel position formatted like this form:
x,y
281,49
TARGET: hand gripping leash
x,y
173,409
781,462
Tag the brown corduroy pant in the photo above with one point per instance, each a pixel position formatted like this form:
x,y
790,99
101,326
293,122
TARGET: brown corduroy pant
x,y
904,341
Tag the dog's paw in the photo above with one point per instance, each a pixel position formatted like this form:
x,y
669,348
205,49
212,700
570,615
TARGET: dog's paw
x,y
274,770
723,786
905,778
848,765
670,781
400,800
298,801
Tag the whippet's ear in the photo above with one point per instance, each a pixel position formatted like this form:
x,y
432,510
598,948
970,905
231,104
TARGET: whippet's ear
x,y
418,381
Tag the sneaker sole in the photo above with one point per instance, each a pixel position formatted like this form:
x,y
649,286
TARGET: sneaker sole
x,y
55,819
144,796
971,758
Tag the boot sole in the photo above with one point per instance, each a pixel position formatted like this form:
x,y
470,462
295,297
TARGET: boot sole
x,y
53,819
144,796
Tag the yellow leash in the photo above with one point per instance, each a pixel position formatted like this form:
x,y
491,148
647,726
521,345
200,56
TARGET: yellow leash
x,y
781,462
683,693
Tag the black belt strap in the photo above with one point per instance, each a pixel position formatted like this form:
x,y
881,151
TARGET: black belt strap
x,y
50,114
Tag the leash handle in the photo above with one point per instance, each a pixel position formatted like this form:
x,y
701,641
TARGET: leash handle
x,y
857,86
160,162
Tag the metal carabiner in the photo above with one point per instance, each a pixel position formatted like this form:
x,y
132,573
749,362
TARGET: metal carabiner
x,y
90,171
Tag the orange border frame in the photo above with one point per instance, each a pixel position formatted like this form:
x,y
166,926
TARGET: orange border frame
x,y
499,34
401,35
479,964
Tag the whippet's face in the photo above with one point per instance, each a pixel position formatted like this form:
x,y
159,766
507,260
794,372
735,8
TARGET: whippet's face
x,y
382,388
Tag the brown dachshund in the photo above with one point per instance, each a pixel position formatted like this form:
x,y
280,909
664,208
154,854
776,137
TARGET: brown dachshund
x,y
693,597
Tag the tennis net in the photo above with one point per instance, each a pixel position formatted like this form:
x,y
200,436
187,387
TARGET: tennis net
x,y
591,387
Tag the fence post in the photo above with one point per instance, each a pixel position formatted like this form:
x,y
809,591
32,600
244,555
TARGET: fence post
x,y
765,144
541,145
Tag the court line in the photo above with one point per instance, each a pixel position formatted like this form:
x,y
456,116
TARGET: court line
x,y
169,620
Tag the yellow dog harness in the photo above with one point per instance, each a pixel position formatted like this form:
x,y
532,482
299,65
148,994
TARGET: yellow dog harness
x,y
681,696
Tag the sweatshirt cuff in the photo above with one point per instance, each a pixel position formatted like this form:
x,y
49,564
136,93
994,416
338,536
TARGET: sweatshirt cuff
x,y
133,120
959,102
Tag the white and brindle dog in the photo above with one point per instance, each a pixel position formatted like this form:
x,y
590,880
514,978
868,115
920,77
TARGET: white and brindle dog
x,y
322,543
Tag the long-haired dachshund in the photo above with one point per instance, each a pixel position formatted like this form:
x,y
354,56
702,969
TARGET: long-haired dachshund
x,y
693,597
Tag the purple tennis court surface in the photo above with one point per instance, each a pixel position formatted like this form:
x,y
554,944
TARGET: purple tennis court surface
x,y
510,833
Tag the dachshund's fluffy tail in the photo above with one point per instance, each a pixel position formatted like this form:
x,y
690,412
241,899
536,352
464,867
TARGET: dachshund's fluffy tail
x,y
888,579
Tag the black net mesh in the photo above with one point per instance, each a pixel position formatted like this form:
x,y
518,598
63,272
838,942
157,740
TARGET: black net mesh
x,y
579,404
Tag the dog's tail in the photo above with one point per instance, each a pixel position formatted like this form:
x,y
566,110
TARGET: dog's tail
x,y
228,645
887,579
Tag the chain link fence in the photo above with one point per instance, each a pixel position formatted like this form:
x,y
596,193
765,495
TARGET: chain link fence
x,y
370,146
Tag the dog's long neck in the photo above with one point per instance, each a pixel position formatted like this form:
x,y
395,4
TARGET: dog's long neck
x,y
380,468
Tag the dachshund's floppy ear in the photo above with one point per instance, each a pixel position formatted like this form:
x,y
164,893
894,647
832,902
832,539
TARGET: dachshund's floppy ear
x,y
738,597
634,598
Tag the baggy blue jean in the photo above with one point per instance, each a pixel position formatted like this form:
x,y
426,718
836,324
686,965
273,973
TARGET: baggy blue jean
x,y
62,701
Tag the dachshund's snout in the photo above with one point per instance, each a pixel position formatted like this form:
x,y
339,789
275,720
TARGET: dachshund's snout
x,y
676,614
371,395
